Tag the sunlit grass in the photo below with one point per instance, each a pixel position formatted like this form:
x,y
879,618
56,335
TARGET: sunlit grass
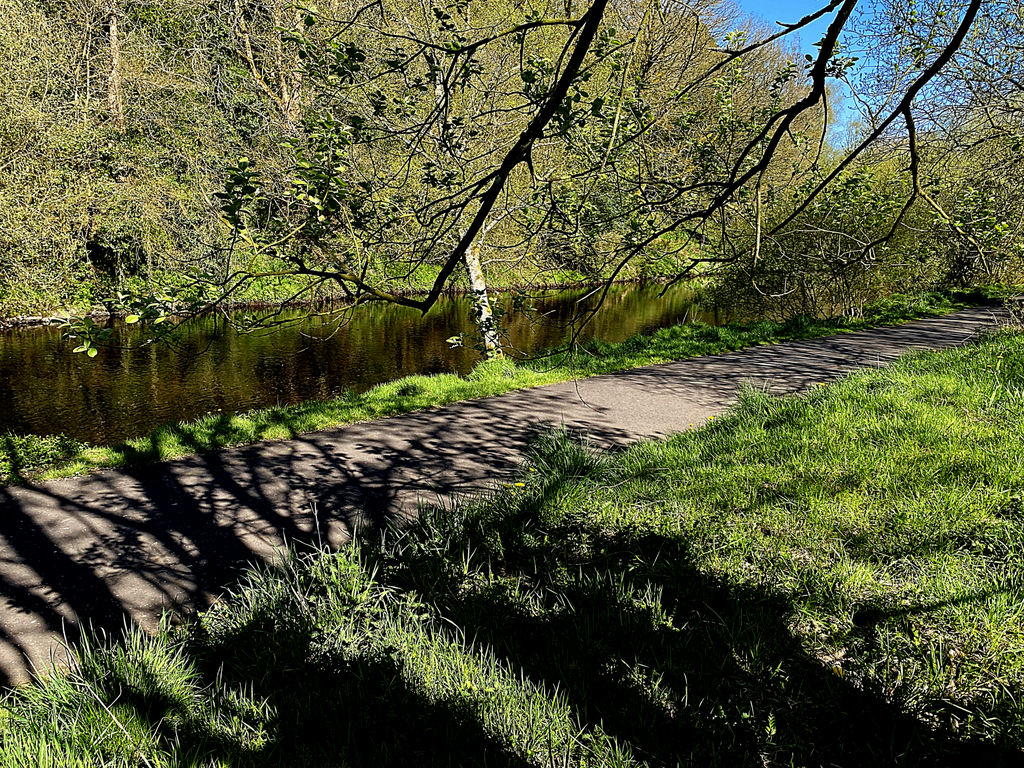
x,y
40,458
832,578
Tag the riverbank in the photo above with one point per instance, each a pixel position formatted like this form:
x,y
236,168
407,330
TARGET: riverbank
x,y
338,302
273,293
40,458
829,578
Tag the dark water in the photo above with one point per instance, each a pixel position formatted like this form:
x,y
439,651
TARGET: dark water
x,y
45,389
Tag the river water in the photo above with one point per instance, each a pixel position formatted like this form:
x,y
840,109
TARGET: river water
x,y
45,389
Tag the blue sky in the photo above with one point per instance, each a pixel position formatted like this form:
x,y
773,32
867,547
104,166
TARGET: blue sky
x,y
791,11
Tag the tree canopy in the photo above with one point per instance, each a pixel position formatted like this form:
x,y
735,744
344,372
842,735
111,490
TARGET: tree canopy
x,y
390,150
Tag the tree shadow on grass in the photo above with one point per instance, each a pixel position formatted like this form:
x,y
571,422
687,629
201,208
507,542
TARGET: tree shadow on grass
x,y
680,667
320,712
685,668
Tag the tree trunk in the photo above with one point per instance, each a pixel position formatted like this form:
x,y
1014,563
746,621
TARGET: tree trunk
x,y
115,101
485,319
481,304
283,88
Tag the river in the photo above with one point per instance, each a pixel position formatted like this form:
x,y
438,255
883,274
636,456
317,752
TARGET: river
x,y
130,388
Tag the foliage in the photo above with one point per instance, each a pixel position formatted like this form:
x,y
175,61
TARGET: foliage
x,y
23,454
89,206
256,151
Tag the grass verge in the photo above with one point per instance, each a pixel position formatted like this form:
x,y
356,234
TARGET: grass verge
x,y
32,457
827,579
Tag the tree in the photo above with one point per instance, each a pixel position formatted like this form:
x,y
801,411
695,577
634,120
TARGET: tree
x,y
963,131
423,140
430,127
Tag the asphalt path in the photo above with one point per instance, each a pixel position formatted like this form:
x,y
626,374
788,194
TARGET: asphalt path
x,y
126,545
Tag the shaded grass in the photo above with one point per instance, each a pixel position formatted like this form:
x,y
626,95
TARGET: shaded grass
x,y
314,664
22,455
33,457
826,579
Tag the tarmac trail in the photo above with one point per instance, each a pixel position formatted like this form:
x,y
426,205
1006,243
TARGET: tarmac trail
x,y
127,544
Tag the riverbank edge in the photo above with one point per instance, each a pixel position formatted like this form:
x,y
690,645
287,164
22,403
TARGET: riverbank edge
x,y
336,302
29,459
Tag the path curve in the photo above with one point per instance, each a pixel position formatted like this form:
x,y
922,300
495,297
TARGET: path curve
x,y
126,544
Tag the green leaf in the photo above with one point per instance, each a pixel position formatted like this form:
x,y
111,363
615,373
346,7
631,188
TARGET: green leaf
x,y
131,319
81,348
92,352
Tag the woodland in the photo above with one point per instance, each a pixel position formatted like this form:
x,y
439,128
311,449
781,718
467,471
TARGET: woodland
x,y
173,156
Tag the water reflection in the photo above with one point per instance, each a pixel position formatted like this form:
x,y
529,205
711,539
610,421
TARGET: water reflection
x,y
45,389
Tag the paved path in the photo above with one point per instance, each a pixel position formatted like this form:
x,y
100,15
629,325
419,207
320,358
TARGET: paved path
x,y
136,541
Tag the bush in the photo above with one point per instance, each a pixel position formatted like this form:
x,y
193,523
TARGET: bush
x,y
19,453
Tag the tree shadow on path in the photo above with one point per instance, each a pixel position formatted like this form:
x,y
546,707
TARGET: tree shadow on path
x,y
132,543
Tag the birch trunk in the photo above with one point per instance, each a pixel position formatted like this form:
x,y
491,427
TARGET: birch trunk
x,y
483,315
481,303
115,100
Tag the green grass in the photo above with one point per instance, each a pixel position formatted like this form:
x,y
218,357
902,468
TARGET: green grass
x,y
31,457
827,579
